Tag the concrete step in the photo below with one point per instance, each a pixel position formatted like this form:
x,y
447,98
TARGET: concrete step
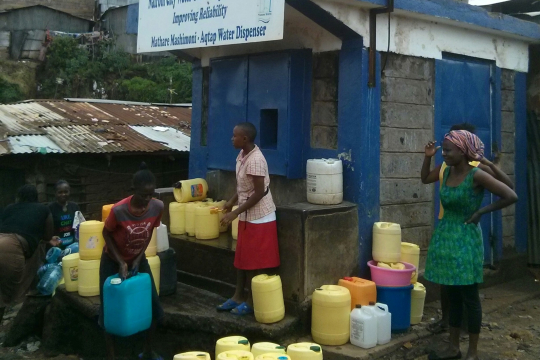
x,y
191,323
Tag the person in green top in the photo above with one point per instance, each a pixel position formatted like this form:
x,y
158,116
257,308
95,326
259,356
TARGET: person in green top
x,y
455,253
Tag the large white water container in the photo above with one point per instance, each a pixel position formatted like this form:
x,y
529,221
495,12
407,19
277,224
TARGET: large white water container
x,y
324,181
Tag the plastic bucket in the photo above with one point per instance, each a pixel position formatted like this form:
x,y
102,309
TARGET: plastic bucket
x,y
391,277
398,300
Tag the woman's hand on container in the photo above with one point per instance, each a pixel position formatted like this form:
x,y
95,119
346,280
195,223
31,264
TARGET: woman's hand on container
x,y
55,241
430,149
123,270
474,219
228,218
228,207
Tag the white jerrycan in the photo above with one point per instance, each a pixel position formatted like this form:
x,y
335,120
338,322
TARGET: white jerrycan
x,y
384,323
363,327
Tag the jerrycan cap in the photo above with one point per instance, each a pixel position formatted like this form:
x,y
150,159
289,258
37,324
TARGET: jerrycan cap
x,y
348,278
315,348
243,342
358,306
116,281
371,303
282,358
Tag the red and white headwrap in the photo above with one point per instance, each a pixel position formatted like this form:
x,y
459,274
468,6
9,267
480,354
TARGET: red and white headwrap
x,y
470,144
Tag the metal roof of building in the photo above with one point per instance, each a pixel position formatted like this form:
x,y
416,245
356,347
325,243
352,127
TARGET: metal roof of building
x,y
58,126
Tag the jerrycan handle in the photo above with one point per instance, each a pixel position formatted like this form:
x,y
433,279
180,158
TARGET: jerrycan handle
x,y
382,306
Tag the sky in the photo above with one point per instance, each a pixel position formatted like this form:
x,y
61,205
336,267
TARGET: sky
x,y
485,2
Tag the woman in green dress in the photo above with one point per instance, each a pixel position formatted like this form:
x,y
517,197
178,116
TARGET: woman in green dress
x,y
455,254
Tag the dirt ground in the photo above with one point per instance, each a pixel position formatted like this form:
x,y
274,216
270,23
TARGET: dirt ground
x,y
511,332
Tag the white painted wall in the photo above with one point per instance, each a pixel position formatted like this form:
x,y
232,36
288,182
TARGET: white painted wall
x,y
417,36
300,33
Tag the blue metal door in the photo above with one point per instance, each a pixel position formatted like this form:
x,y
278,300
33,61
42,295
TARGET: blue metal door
x,y
227,107
464,94
268,106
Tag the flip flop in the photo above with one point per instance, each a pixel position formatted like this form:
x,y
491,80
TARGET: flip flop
x,y
434,356
242,309
227,305
155,356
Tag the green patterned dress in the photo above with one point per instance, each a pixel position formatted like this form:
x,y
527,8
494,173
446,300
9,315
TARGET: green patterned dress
x,y
456,253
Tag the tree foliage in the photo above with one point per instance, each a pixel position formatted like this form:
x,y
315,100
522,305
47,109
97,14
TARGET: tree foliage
x,y
10,92
99,71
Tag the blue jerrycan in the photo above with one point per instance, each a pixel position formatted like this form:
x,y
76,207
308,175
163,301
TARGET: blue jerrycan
x,y
127,305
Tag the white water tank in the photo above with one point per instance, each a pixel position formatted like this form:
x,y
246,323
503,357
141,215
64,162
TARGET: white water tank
x,y
324,181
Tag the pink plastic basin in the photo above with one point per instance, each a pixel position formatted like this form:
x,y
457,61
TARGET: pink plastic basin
x,y
391,277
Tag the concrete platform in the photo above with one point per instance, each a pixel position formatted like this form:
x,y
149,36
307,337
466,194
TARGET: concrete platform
x,y
191,323
493,298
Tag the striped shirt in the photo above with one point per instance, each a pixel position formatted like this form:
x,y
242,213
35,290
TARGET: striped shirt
x,y
253,164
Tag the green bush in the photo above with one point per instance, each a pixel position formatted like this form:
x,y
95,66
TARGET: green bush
x,y
72,70
10,92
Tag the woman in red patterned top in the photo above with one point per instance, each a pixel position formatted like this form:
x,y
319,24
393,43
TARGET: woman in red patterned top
x,y
257,246
127,233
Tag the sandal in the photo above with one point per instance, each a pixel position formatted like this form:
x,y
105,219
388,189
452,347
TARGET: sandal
x,y
242,309
227,305
155,356
434,356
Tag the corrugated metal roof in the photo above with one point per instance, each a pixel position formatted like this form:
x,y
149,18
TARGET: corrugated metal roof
x,y
81,127
165,135
28,144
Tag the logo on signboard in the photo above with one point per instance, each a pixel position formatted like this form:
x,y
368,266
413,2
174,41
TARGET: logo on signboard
x,y
265,11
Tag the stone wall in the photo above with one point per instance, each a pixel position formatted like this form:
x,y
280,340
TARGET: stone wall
x,y
324,120
406,126
507,148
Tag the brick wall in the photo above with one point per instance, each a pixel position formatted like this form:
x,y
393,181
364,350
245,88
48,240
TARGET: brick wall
x,y
324,120
406,126
508,126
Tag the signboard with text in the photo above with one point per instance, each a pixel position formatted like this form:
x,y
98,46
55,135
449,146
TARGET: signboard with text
x,y
185,24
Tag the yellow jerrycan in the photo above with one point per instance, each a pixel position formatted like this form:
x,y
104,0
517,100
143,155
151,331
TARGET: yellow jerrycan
x,y
418,297
206,222
305,351
155,268
192,355
232,343
219,205
331,308
386,242
261,348
105,211
91,240
151,249
88,277
177,216
191,190
234,226
411,253
268,302
235,355
273,356
190,217
70,268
